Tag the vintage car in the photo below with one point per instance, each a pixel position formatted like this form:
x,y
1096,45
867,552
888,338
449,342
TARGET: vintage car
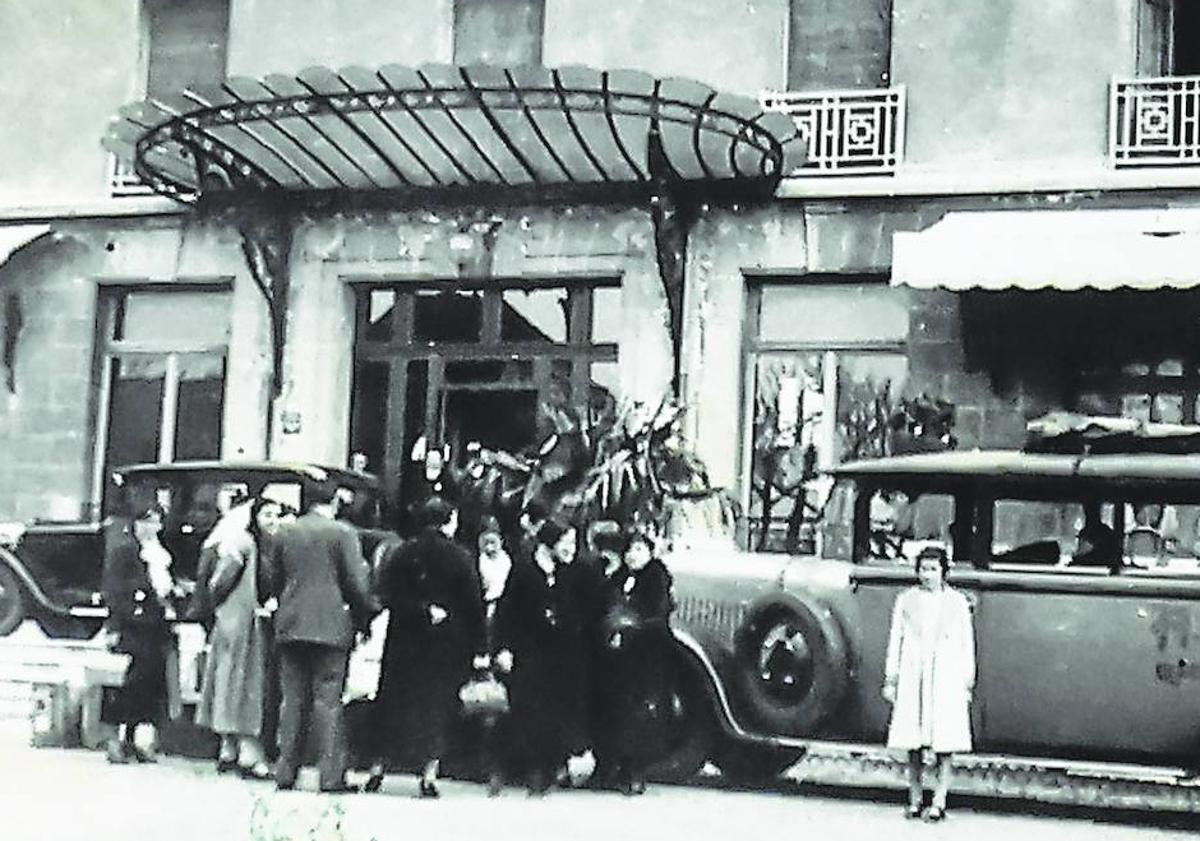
x,y
1077,657
50,571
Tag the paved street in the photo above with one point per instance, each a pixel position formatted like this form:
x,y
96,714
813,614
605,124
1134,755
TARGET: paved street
x,y
52,794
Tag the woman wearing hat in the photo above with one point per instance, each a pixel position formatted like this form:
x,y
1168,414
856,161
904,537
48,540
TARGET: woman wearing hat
x,y
138,586
929,678
548,641
435,629
638,642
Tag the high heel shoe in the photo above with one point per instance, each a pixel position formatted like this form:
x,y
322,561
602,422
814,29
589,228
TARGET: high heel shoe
x,y
912,812
428,789
935,814
258,771
227,766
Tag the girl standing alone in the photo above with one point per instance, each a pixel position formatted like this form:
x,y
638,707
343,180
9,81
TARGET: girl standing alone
x,y
929,677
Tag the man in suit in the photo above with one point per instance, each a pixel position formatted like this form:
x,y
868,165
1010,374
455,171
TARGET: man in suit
x,y
316,571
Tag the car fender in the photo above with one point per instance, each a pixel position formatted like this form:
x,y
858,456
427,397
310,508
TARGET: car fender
x,y
34,591
717,697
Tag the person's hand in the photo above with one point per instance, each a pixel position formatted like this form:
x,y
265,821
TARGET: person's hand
x,y
111,640
889,692
271,605
481,662
615,640
437,614
504,661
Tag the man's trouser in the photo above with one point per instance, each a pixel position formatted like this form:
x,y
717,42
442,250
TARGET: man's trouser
x,y
311,680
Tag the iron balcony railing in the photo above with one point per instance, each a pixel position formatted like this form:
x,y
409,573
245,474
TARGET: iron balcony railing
x,y
123,182
1155,122
849,132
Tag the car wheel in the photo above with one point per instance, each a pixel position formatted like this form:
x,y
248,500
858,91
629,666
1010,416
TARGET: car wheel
x,y
12,602
687,728
754,764
792,664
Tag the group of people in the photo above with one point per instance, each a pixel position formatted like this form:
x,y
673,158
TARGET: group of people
x,y
535,643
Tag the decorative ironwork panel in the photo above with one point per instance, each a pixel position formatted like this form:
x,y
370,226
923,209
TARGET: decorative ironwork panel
x,y
848,132
123,181
1155,122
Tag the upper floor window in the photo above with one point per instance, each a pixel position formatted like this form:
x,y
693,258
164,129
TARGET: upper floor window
x,y
1168,38
186,44
498,32
847,44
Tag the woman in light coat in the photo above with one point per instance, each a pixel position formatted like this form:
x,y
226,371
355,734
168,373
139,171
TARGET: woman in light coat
x,y
929,677
234,687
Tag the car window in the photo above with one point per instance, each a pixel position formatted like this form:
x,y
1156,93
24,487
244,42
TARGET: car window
x,y
1161,539
901,523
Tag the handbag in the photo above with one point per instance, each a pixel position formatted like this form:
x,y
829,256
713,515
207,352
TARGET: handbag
x,y
484,697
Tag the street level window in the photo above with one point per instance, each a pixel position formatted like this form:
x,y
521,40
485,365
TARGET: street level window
x,y
826,366
498,32
162,358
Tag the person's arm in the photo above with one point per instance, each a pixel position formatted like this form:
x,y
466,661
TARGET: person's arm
x,y
227,572
967,642
355,574
891,671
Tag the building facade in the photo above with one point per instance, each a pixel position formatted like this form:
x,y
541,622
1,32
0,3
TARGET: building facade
x,y
994,217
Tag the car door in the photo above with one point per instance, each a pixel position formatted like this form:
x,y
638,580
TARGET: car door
x,y
1080,660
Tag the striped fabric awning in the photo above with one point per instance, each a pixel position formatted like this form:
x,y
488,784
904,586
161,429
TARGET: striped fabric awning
x,y
440,128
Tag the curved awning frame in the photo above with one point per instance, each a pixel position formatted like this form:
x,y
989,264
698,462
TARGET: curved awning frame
x,y
439,127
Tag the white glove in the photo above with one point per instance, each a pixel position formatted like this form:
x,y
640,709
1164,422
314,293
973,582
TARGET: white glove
x,y
504,661
437,614
481,662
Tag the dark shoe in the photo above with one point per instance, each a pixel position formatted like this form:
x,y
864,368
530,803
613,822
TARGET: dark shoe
x,y
538,784
118,753
935,814
285,785
495,785
144,757
259,771
374,782
429,790
340,788
912,812
227,766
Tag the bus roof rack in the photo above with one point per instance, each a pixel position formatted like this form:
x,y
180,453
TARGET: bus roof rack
x,y
1067,432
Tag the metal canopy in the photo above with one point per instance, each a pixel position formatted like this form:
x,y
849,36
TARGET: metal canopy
x,y
440,127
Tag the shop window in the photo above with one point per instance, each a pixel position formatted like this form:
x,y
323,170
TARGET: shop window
x,y
163,377
498,32
828,368
448,316
1165,390
187,44
535,315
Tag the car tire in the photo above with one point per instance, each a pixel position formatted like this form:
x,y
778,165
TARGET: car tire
x,y
689,731
746,764
12,601
792,664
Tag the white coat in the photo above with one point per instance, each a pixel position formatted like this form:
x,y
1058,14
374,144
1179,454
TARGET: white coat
x,y
931,663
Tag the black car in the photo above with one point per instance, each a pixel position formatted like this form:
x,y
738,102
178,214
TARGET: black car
x,y
50,572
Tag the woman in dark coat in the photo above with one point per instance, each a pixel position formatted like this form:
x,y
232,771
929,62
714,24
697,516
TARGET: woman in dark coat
x,y
634,689
435,629
137,587
547,638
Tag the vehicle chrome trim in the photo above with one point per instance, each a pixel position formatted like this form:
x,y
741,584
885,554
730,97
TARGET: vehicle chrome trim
x,y
1054,580
30,584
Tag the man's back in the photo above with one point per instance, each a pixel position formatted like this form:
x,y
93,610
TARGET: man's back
x,y
317,571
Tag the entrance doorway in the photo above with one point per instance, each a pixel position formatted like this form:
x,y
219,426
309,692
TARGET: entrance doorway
x,y
475,362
